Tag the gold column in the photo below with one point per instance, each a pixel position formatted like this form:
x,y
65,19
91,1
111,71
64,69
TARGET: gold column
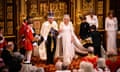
x,y
78,13
23,10
22,6
78,5
107,6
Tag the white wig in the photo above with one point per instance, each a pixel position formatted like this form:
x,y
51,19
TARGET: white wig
x,y
80,70
91,49
101,62
40,70
82,65
26,68
58,65
86,66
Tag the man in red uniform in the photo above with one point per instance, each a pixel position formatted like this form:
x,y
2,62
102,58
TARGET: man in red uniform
x,y
28,41
22,33
23,28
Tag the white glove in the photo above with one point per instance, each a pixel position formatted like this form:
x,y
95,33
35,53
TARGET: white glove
x,y
45,38
34,44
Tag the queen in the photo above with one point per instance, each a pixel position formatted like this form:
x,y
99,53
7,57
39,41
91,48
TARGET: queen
x,y
67,40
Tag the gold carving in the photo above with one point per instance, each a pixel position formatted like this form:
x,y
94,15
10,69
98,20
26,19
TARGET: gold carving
x,y
100,19
9,1
10,27
2,24
10,31
86,6
9,15
10,24
1,10
10,36
59,9
9,12
33,10
100,7
43,9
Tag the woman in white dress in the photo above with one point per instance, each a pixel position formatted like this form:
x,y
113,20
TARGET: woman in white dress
x,y
66,30
69,41
111,27
92,19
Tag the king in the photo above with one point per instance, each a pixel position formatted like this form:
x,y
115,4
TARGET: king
x,y
48,31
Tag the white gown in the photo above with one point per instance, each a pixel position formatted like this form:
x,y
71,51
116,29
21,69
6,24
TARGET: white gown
x,y
67,43
68,50
111,29
67,34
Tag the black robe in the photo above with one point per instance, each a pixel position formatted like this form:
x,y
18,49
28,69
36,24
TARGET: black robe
x,y
96,38
51,45
84,30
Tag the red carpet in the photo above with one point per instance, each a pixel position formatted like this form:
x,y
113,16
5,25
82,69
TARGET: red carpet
x,y
113,63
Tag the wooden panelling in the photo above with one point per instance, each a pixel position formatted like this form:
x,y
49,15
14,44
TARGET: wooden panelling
x,y
8,17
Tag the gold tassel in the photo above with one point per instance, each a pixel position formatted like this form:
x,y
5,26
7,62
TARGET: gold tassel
x,y
52,45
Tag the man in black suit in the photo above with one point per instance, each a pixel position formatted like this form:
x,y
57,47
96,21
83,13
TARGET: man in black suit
x,y
10,61
84,29
51,45
96,38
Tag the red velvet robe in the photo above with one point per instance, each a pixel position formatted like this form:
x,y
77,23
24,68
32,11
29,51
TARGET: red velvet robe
x,y
28,39
92,59
113,65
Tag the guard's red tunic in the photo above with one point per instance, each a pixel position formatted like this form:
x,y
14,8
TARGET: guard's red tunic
x,y
28,38
22,33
